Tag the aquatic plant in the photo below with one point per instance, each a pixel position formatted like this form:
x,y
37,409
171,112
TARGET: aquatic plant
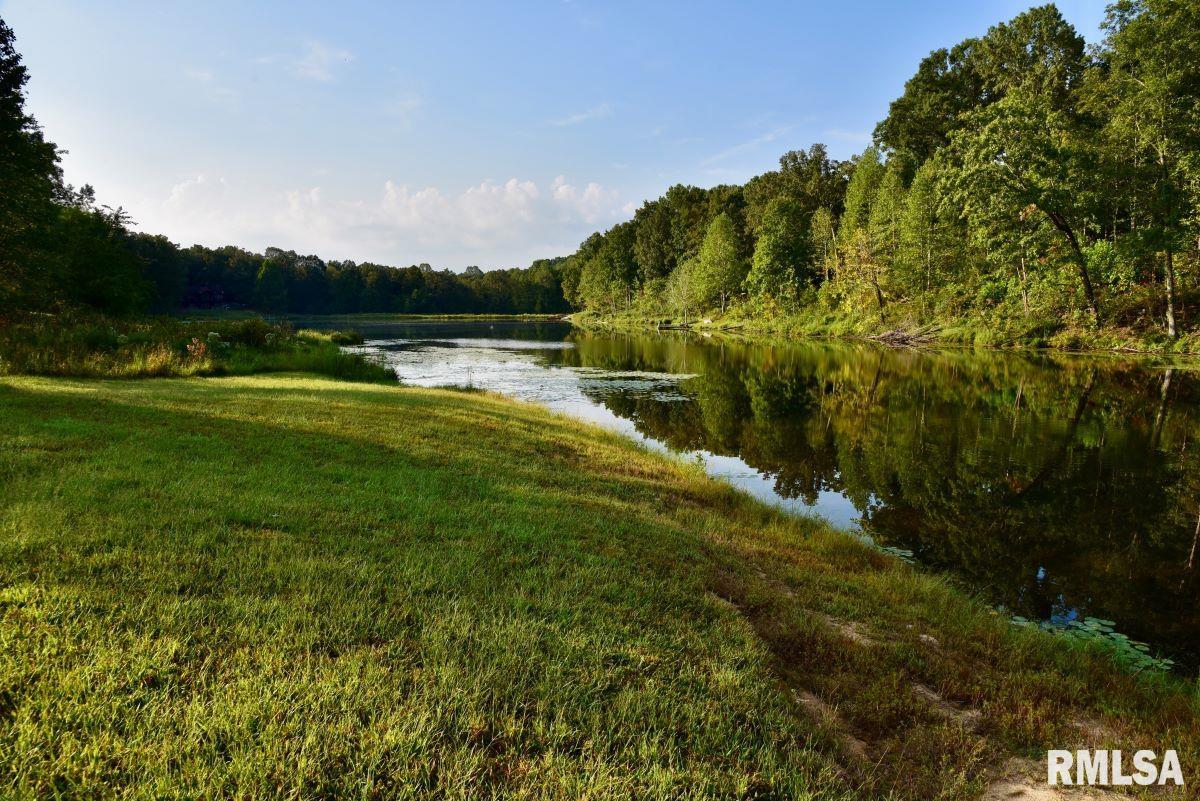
x,y
1131,653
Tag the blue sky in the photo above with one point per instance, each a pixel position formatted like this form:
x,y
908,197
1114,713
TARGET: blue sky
x,y
456,133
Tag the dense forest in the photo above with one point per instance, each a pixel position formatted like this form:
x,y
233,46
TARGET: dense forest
x,y
60,249
1024,182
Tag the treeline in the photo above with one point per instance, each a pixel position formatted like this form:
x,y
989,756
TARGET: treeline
x,y
60,250
285,282
1022,182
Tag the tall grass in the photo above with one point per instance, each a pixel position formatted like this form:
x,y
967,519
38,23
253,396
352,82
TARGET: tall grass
x,y
100,347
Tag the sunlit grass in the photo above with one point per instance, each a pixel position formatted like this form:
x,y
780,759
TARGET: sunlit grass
x,y
293,587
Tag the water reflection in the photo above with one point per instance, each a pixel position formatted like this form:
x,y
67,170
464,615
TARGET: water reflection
x,y
1055,485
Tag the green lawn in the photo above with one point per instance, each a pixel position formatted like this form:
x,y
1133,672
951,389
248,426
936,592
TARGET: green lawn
x,y
292,587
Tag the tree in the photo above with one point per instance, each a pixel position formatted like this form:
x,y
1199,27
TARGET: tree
x,y
1019,153
822,244
721,268
780,253
946,85
270,291
927,236
608,276
163,268
1150,96
680,291
30,181
860,193
652,247
95,263
1034,146
883,223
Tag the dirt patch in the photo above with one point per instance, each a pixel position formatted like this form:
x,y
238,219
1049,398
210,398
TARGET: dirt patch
x,y
851,746
1025,780
970,719
855,632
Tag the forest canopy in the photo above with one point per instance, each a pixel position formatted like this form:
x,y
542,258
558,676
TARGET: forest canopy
x,y
1022,181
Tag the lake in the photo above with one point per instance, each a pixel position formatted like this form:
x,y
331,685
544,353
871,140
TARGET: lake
x,y
1057,487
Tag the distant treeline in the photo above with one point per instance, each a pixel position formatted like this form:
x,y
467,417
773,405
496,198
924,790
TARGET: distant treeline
x,y
1022,182
60,249
283,281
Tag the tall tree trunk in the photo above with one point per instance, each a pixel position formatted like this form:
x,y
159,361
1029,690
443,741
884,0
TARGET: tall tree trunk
x,y
1060,222
1022,273
1169,279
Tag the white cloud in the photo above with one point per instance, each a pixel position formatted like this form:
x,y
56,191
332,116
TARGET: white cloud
x,y
594,113
201,187
593,204
318,62
491,223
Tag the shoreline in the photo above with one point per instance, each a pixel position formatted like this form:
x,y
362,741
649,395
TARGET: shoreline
x,y
765,335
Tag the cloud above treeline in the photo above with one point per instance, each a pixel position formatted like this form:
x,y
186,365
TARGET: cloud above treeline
x,y
491,224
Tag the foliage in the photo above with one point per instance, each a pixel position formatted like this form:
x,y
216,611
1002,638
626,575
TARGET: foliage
x,y
720,268
1133,654
781,262
121,347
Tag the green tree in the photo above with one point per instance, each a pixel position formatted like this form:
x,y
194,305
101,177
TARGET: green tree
x,y
929,238
30,181
680,290
779,254
1150,96
722,269
608,276
1022,153
96,265
860,193
270,289
883,224
946,86
653,246
822,244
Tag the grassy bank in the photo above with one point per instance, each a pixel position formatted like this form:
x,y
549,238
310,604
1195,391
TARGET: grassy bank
x,y
814,322
102,347
293,587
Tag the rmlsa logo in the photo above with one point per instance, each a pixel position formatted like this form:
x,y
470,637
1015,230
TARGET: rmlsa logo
x,y
1107,767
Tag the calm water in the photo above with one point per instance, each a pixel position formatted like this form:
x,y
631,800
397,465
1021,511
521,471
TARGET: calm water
x,y
1055,486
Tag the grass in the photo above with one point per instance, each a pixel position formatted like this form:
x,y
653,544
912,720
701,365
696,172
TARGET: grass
x,y
290,587
99,347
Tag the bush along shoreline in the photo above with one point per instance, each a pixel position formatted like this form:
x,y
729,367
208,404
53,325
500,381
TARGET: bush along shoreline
x,y
96,346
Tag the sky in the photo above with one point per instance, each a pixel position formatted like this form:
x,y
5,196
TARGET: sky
x,y
451,133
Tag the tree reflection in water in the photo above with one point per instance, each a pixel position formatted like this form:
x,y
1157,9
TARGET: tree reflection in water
x,y
1056,485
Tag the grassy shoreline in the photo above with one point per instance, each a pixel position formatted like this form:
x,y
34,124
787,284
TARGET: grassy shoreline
x,y
286,585
1071,340
115,347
